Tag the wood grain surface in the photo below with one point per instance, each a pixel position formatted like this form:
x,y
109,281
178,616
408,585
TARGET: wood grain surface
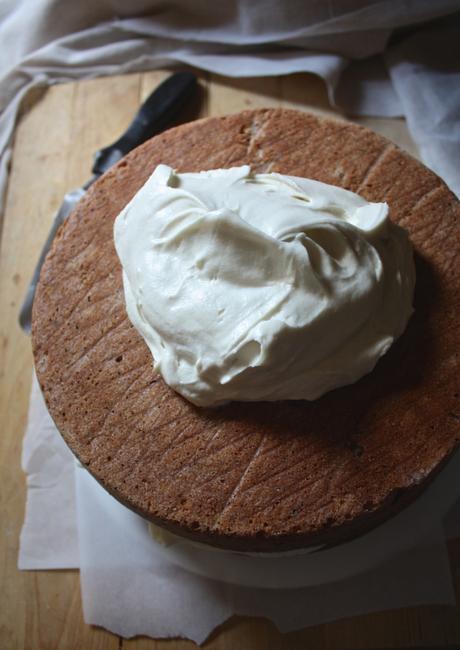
x,y
58,132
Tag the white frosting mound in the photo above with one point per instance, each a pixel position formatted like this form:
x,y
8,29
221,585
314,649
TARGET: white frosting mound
x,y
261,286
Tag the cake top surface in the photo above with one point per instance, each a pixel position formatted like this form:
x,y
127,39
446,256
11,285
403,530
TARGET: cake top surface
x,y
254,475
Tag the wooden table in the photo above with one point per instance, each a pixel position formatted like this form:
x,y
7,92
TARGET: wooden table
x,y
59,130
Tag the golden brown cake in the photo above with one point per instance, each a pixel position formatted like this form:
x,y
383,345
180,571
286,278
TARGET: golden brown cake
x,y
254,476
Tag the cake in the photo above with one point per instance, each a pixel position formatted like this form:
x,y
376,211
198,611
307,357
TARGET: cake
x,y
254,476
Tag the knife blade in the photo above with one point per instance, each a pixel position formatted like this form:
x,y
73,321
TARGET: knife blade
x,y
159,111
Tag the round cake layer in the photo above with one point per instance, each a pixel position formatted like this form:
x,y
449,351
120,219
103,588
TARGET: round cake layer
x,y
254,476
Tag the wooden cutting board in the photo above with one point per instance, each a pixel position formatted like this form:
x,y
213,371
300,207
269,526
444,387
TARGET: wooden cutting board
x,y
58,133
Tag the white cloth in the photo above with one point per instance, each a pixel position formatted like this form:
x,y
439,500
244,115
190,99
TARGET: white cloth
x,y
51,41
130,586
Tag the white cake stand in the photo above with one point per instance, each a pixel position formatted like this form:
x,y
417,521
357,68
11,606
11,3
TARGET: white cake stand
x,y
419,522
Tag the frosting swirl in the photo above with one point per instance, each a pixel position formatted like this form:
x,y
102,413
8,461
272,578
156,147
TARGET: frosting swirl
x,y
261,286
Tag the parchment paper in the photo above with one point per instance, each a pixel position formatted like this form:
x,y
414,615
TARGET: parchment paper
x,y
130,586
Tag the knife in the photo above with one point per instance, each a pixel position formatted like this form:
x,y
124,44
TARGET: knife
x,y
159,111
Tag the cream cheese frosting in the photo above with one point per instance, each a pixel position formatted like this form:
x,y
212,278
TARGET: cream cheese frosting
x,y
251,286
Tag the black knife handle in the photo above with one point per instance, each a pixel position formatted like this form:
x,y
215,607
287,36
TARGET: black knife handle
x,y
157,112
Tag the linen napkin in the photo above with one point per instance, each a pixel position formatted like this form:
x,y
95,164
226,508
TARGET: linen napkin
x,y
341,42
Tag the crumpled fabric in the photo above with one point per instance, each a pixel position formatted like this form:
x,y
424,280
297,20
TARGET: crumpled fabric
x,y
52,41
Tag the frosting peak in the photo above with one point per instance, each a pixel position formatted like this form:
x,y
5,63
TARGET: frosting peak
x,y
261,286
